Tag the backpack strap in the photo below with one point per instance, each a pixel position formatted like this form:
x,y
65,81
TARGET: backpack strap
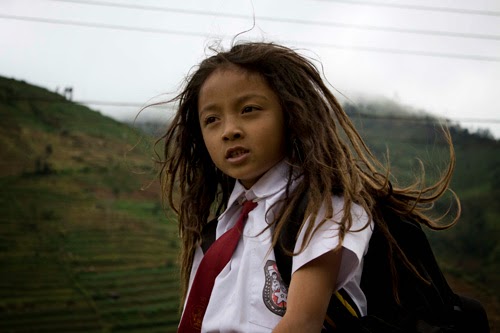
x,y
208,234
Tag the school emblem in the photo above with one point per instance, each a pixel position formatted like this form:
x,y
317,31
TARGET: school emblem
x,y
275,292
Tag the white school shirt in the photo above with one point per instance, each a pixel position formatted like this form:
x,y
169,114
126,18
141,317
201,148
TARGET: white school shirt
x,y
248,294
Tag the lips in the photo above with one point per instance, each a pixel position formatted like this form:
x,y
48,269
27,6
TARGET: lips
x,y
236,152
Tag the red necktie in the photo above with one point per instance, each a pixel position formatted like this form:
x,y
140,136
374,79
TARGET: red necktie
x,y
213,262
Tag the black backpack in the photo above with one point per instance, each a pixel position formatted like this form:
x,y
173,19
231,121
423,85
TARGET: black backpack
x,y
423,308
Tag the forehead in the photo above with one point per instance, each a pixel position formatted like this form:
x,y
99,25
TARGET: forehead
x,y
233,82
231,74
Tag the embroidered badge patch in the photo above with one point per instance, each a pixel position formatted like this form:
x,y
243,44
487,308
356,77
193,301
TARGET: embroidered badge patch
x,y
275,291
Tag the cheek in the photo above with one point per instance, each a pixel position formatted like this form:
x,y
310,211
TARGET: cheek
x,y
279,139
210,146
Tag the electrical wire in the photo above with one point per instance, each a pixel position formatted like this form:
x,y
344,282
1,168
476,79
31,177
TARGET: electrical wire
x,y
101,25
410,117
287,20
419,7
205,35
399,51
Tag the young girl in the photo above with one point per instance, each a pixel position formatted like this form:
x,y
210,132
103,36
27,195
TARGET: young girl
x,y
257,124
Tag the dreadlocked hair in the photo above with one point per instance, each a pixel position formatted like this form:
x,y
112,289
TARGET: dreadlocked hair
x,y
322,147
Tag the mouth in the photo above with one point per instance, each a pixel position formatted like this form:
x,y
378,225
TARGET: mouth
x,y
236,152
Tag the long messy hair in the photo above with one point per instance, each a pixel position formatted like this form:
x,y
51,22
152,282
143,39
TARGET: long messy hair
x,y
322,147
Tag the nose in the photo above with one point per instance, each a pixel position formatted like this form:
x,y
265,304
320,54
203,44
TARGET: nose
x,y
232,130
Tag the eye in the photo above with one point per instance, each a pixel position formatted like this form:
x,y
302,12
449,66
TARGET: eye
x,y
210,119
249,108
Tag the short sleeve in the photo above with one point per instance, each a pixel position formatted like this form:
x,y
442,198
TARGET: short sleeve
x,y
326,239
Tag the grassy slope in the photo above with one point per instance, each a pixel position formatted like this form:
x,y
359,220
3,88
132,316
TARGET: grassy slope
x,y
82,247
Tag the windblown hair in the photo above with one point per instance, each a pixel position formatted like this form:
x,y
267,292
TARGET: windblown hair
x,y
322,146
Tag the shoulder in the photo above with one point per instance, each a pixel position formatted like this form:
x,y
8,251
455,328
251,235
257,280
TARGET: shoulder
x,y
331,225
326,235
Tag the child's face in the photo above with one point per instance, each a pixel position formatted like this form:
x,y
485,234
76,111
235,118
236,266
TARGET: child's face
x,y
242,124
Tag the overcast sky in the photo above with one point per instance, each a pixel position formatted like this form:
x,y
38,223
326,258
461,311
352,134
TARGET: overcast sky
x,y
440,56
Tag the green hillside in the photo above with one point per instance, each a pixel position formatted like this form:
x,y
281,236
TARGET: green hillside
x,y
85,245
82,247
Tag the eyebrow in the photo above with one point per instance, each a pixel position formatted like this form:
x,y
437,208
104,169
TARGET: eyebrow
x,y
238,100
248,96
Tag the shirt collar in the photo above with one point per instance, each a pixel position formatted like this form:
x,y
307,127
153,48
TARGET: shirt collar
x,y
273,181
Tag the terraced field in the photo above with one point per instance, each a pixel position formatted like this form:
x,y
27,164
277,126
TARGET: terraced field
x,y
78,263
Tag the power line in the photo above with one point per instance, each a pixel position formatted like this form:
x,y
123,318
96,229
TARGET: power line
x,y
109,103
416,118
420,7
205,35
65,100
477,120
424,118
400,51
289,20
102,25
